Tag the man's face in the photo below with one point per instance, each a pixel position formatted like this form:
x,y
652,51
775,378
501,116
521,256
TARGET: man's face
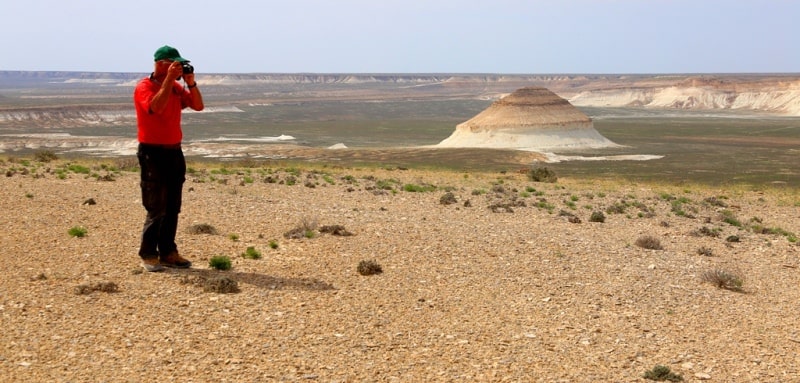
x,y
162,66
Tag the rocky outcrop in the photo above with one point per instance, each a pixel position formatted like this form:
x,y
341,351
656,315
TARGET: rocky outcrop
x,y
775,94
531,118
784,100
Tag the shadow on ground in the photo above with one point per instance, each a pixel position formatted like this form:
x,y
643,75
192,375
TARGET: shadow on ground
x,y
198,276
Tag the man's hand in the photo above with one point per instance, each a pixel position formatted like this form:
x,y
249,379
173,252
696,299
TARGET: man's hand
x,y
189,77
174,72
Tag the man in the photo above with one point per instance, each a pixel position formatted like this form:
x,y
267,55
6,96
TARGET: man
x,y
159,100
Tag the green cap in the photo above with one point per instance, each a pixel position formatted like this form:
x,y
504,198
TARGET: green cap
x,y
169,53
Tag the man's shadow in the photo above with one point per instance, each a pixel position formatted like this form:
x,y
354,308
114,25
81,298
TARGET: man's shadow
x,y
257,280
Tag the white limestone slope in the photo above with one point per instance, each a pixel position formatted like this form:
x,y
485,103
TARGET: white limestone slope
x,y
534,119
780,100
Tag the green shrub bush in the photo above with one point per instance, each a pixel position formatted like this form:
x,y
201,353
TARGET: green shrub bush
x,y
220,262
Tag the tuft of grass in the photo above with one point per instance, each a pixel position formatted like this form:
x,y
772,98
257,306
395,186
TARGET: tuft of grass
x,y
597,216
233,237
661,373
543,204
220,262
649,242
386,184
79,169
730,218
273,244
128,164
414,188
616,208
77,231
369,267
724,279
251,253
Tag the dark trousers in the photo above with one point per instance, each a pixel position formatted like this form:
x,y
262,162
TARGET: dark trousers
x,y
163,172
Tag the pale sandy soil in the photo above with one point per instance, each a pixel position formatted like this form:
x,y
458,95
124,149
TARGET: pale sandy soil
x,y
466,293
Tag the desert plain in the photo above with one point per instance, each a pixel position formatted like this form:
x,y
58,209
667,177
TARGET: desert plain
x,y
688,265
486,276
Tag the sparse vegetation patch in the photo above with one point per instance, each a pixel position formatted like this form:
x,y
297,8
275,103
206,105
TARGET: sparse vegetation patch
x,y
220,262
662,373
251,253
369,267
597,216
542,175
202,228
724,279
77,231
335,230
649,242
86,288
221,285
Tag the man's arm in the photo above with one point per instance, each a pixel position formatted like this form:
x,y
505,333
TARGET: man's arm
x,y
197,98
159,101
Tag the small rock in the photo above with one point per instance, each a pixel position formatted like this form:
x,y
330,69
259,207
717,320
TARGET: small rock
x,y
702,376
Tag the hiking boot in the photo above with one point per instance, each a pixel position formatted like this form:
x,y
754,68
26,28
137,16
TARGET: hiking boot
x,y
175,260
152,265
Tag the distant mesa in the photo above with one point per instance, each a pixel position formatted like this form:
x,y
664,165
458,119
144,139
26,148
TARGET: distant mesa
x,y
531,118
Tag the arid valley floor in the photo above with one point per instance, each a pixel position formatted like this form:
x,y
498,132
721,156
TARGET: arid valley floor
x,y
502,279
620,269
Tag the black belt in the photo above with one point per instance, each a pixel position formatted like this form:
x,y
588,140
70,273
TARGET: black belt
x,y
161,146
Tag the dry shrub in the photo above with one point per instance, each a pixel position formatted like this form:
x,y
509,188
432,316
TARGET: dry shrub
x,y
202,228
305,229
369,267
662,373
448,199
724,279
221,285
335,230
705,251
106,287
649,242
542,175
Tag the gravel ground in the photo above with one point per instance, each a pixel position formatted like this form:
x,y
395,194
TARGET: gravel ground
x,y
498,286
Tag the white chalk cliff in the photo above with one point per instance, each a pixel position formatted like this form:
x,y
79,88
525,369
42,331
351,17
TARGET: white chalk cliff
x,y
531,118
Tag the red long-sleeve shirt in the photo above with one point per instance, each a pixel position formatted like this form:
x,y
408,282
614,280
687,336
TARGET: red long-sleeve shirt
x,y
163,128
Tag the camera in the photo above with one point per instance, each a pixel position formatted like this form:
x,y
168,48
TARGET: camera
x,y
188,68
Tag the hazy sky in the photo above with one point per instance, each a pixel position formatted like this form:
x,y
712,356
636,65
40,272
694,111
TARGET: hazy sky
x,y
405,36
